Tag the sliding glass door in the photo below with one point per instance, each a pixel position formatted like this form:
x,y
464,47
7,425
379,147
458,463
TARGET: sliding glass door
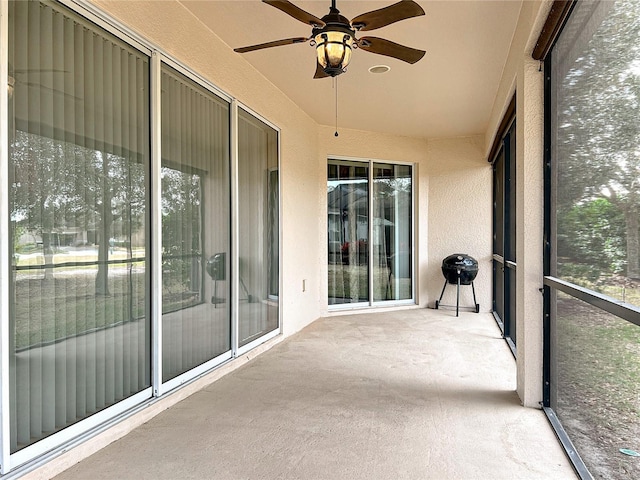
x,y
369,260
504,235
79,156
258,229
196,321
348,229
392,232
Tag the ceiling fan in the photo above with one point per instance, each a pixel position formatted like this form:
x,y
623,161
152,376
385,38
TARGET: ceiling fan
x,y
334,36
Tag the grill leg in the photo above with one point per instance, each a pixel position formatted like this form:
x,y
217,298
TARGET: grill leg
x,y
458,296
442,293
475,304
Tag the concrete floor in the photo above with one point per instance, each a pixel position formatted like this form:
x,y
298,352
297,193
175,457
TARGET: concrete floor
x,y
412,394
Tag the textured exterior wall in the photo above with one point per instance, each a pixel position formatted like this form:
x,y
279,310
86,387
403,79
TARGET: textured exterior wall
x,y
525,77
460,216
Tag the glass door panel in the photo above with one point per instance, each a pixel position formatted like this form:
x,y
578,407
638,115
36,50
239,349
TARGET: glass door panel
x,y
498,236
510,235
196,321
369,261
258,243
392,232
79,161
348,231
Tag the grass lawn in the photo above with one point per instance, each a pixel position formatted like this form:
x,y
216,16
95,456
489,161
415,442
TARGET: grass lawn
x,y
598,387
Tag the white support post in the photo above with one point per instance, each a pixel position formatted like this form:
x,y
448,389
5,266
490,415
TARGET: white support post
x,y
529,221
233,255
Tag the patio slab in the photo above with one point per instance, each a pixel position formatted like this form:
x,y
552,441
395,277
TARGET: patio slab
x,y
410,394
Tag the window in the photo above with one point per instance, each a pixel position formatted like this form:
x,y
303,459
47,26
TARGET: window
x,y
370,257
593,213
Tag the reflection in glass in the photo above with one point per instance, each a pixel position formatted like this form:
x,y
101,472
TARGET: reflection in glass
x,y
195,225
79,156
348,229
258,200
597,396
392,220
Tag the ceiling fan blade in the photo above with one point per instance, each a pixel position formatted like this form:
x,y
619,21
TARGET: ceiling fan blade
x,y
320,73
276,43
390,49
387,15
296,12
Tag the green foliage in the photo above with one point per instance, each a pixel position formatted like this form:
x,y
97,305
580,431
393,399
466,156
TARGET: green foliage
x,y
578,272
591,239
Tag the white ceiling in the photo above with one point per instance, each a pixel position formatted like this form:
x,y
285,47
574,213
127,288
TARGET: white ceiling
x,y
450,92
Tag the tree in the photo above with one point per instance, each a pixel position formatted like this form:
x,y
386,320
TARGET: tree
x,y
598,150
593,234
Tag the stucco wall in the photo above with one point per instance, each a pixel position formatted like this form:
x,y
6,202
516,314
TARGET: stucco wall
x,y
459,217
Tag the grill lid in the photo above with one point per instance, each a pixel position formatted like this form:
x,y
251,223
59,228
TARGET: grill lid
x,y
460,265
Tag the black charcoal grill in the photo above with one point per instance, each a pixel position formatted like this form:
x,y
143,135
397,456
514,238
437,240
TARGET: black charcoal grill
x,y
459,269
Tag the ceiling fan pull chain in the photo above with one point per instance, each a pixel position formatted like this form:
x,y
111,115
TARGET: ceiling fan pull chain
x,y
336,85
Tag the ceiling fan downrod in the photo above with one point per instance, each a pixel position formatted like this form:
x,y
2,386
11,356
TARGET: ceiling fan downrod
x,y
335,79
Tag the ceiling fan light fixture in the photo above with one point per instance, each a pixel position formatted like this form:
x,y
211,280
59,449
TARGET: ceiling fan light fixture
x,y
333,49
